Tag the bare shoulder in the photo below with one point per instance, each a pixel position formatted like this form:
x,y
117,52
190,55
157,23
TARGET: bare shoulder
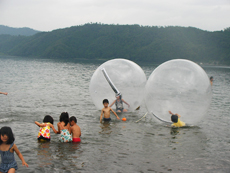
x,y
13,148
72,127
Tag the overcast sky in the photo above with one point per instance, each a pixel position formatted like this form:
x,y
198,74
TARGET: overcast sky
x,y
47,15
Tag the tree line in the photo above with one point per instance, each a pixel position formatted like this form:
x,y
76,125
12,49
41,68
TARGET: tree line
x,y
137,43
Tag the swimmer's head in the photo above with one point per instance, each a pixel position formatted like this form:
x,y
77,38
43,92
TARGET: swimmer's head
x,y
118,96
6,135
64,117
105,103
211,78
73,118
48,119
174,118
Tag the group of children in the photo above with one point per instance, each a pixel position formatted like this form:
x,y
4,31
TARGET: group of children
x,y
175,118
67,128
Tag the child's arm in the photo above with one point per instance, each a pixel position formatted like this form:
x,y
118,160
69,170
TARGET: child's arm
x,y
59,127
80,131
15,148
112,103
101,115
178,115
3,93
175,114
125,102
40,125
114,113
71,130
52,126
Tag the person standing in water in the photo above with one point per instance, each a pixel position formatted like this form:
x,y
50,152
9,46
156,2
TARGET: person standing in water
x,y
75,129
7,149
3,93
211,80
44,132
106,111
63,128
119,104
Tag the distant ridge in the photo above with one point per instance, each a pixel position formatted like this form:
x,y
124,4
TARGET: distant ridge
x,y
147,44
17,31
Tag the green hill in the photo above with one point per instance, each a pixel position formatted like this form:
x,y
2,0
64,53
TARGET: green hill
x,y
17,31
133,42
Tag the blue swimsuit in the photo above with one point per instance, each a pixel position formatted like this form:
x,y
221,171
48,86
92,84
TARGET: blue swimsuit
x,y
8,160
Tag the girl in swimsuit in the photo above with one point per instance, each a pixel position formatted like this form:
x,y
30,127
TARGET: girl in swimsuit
x,y
7,148
119,104
44,132
63,128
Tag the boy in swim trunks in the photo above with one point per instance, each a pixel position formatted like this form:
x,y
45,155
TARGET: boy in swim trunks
x,y
106,111
175,118
75,129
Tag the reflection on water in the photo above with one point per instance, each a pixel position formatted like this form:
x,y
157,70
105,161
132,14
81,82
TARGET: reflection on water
x,y
106,128
40,87
44,154
174,132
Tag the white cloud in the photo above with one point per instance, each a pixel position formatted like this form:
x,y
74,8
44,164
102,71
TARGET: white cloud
x,y
52,14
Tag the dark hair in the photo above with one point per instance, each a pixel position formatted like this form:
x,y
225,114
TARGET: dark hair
x,y
105,101
118,95
64,117
174,118
73,118
211,77
48,119
8,132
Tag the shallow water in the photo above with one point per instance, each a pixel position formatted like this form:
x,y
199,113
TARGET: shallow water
x,y
40,87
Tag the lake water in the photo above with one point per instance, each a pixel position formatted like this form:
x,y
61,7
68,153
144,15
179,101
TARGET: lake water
x,y
40,87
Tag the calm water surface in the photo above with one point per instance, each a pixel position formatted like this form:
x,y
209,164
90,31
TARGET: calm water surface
x,y
40,87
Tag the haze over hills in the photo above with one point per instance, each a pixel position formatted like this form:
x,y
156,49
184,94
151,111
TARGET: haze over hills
x,y
137,43
17,31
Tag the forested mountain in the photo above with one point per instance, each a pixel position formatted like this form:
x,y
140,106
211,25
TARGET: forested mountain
x,y
17,31
134,42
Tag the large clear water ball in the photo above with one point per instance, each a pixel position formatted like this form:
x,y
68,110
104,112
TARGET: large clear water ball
x,y
180,86
128,78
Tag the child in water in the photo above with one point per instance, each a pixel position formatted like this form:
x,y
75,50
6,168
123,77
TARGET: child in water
x,y
175,118
211,80
44,132
119,104
75,129
63,128
7,149
106,111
